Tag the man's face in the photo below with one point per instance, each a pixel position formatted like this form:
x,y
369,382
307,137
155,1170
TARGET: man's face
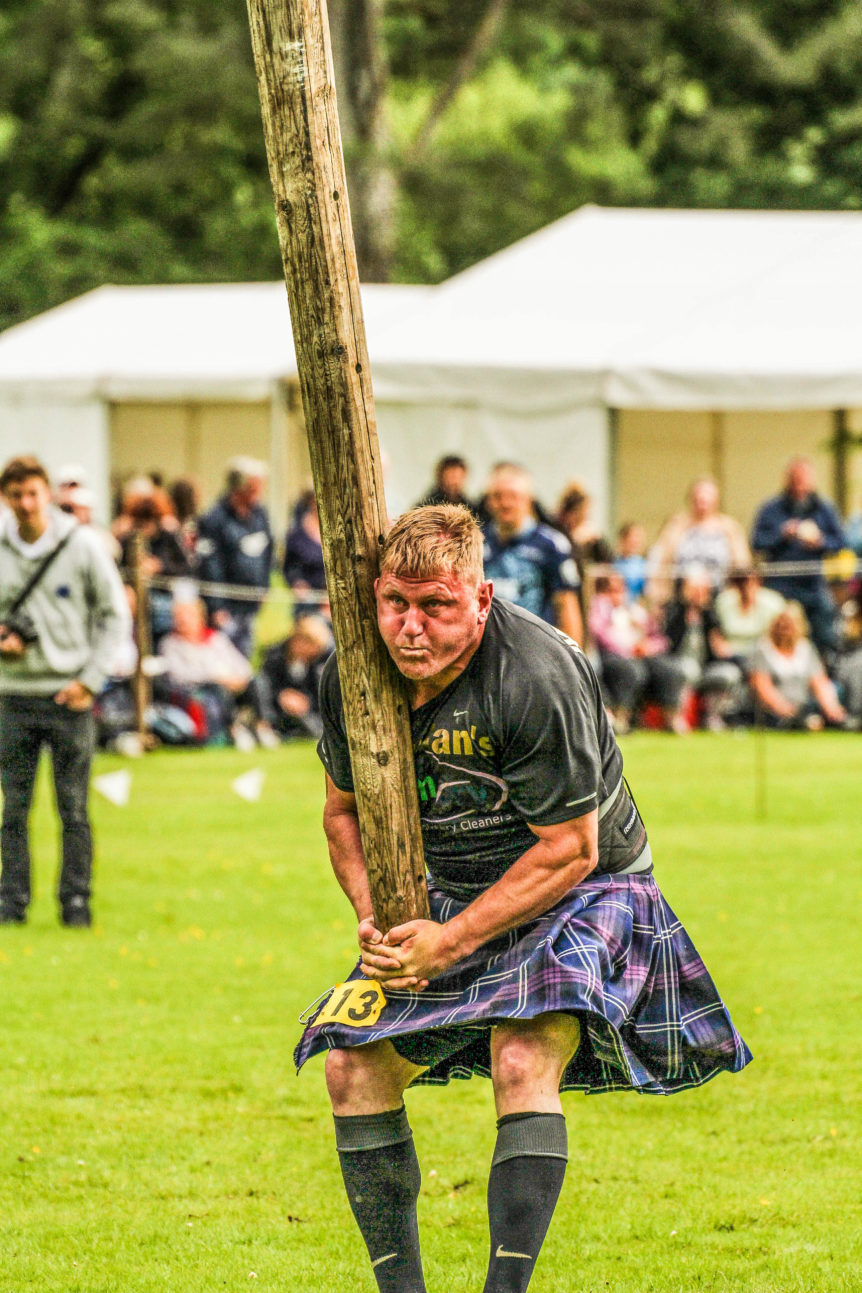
x,y
430,626
800,479
452,481
250,494
509,501
29,500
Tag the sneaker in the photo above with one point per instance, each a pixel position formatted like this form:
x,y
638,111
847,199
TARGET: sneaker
x,y
76,913
10,915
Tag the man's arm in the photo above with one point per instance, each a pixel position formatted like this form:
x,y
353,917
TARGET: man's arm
x,y
561,857
567,613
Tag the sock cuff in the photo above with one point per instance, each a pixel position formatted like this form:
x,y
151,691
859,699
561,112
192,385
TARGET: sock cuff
x,y
371,1130
531,1135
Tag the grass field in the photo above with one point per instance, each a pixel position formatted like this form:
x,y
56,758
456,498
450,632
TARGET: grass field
x,y
154,1136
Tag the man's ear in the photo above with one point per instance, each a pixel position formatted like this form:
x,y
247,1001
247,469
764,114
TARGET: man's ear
x,y
376,582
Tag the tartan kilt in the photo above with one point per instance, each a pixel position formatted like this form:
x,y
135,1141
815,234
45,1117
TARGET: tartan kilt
x,y
612,952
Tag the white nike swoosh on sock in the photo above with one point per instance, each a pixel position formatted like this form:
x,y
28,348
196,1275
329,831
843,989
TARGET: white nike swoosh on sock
x,y
387,1258
501,1252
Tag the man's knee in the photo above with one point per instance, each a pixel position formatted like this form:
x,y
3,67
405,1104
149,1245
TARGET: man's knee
x,y
367,1079
523,1054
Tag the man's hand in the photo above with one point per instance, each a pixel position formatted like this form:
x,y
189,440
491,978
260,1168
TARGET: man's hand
x,y
293,702
76,697
12,646
410,955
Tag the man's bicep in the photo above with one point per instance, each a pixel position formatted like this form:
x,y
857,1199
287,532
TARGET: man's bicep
x,y
339,802
577,837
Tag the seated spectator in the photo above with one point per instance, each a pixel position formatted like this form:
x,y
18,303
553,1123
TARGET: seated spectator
x,y
745,610
788,681
289,679
701,537
635,668
847,673
630,559
203,663
589,547
698,644
302,567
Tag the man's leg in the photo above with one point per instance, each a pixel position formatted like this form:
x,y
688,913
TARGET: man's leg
x,y
70,739
528,1059
378,1161
20,742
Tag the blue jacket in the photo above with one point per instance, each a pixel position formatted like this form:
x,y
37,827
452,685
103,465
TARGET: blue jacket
x,y
767,536
234,549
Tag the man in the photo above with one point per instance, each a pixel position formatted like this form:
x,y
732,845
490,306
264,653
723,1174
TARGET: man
x,y
56,652
799,526
551,960
530,563
235,546
450,483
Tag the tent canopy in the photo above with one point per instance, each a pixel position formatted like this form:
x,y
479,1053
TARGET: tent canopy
x,y
647,309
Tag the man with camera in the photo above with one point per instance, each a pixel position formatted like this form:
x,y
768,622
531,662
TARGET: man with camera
x,y
63,615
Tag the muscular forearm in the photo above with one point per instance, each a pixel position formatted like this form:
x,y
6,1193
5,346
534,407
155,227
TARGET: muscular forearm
x,y
348,862
538,880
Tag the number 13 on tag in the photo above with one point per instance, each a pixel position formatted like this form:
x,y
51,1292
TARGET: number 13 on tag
x,y
357,1004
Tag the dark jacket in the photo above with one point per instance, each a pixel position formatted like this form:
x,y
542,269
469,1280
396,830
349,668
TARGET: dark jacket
x,y
234,549
767,537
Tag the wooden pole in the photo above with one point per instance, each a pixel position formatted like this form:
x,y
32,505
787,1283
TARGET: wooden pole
x,y
292,56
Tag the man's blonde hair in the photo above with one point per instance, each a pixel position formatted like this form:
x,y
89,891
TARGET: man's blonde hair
x,y
441,539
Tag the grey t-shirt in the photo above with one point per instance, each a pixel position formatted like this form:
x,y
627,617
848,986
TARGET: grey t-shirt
x,y
521,736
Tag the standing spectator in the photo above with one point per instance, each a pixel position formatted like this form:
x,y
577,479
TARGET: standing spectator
x,y
56,650
589,546
235,547
150,517
303,567
635,666
450,483
697,642
801,527
788,680
630,559
530,563
701,537
185,497
289,679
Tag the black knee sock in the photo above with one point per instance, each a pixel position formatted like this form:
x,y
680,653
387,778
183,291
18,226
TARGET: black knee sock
x,y
381,1176
526,1178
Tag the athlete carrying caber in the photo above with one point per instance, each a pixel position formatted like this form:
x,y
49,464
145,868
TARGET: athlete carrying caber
x,y
551,962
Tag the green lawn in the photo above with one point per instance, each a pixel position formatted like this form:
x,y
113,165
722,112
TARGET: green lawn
x,y
154,1136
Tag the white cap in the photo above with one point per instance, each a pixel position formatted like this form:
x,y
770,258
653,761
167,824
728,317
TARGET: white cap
x,y
72,473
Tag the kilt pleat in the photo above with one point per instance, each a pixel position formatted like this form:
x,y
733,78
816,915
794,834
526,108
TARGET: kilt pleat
x,y
613,952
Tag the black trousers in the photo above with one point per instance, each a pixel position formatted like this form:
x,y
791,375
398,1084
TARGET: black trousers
x,y
27,723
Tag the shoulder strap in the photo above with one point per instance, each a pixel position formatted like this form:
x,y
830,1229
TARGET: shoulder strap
x,y
38,573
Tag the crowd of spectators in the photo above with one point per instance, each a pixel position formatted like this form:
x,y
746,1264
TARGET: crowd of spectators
x,y
705,627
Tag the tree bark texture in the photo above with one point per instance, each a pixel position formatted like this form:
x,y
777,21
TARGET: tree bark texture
x,y
295,79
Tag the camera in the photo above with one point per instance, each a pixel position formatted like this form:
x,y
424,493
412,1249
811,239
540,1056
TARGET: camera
x,y
20,624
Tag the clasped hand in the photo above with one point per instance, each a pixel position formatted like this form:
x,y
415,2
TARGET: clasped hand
x,y
408,956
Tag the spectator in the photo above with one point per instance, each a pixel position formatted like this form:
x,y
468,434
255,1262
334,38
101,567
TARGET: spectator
x,y
701,537
303,567
790,685
630,559
635,667
150,519
450,481
289,679
203,662
745,610
235,547
799,526
56,648
530,563
78,501
697,642
185,498
589,548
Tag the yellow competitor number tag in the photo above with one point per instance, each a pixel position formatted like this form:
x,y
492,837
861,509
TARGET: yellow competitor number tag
x,y
357,1004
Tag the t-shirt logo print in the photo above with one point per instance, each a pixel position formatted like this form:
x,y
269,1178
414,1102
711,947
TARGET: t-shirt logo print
x,y
463,795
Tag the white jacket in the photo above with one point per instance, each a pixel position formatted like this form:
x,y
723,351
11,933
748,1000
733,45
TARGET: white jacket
x,y
78,608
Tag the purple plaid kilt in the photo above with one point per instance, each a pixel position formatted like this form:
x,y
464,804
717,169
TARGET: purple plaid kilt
x,y
611,951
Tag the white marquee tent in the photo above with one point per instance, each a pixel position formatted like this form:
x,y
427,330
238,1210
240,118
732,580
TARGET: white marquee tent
x,y
632,348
